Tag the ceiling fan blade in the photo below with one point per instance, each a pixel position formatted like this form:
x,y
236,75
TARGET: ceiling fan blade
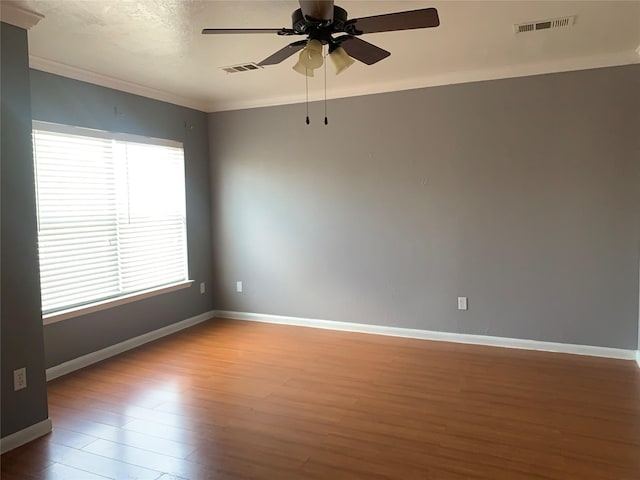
x,y
409,20
317,10
219,31
360,50
283,53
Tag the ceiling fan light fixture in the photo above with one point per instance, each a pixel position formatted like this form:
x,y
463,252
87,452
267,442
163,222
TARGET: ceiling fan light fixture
x,y
320,20
301,68
310,58
341,60
312,54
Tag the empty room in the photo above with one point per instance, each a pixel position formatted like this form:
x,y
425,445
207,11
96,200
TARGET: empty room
x,y
307,239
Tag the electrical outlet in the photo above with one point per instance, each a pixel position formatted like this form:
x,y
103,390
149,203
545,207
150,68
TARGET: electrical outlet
x,y
202,288
20,379
239,287
462,303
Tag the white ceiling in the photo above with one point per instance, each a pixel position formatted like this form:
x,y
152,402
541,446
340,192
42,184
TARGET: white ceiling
x,y
155,48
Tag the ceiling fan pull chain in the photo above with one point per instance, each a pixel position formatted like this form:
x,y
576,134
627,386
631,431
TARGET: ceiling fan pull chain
x,y
326,121
306,84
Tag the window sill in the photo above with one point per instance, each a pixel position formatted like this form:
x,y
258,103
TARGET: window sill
x,y
106,304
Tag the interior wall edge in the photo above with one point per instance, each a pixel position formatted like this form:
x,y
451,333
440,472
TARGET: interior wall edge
x,y
99,355
26,435
503,342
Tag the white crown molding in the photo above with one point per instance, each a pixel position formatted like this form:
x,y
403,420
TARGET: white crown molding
x,y
25,435
433,335
512,71
49,66
19,17
98,356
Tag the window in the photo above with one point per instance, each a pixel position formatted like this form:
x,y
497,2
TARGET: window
x,y
111,215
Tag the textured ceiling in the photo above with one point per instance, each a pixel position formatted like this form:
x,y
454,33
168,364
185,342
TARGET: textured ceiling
x,y
155,47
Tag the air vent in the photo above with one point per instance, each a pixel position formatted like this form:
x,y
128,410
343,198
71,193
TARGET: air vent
x,y
243,67
559,22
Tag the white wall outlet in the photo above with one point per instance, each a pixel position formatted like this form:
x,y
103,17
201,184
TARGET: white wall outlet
x,y
20,379
202,288
239,287
462,303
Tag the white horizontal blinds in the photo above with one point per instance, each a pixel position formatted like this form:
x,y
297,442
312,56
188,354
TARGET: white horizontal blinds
x,y
111,215
77,219
152,233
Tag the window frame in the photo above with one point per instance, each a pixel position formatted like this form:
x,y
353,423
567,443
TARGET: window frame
x,y
108,303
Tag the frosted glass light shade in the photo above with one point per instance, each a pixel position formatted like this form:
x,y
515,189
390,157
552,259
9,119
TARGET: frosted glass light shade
x,y
341,61
310,58
313,56
301,68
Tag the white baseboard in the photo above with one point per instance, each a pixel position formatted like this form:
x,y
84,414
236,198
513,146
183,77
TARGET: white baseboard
x,y
93,357
25,435
433,335
638,357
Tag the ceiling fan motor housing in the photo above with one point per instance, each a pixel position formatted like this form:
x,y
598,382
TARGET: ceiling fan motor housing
x,y
304,26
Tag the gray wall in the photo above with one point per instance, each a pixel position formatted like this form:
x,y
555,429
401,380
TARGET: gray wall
x,y
21,323
61,100
522,194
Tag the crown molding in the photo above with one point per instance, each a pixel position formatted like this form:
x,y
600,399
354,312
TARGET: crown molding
x,y
49,66
452,78
19,17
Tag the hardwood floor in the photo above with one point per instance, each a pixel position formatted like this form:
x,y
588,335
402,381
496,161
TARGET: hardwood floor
x,y
238,400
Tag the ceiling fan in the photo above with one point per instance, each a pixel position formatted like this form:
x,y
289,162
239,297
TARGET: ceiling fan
x,y
320,20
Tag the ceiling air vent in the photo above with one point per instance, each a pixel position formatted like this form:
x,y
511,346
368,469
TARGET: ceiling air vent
x,y
243,67
559,22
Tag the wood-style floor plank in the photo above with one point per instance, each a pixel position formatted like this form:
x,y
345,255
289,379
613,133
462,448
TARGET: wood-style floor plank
x,y
232,400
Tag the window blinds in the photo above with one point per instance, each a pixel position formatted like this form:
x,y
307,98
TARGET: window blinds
x,y
111,214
